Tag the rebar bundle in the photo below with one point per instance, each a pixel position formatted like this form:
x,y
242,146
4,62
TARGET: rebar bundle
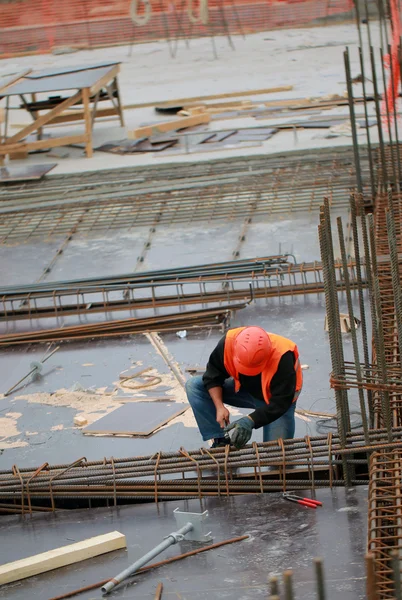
x,y
208,317
311,462
126,200
269,277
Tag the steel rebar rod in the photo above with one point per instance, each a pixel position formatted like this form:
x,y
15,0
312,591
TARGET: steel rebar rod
x,y
353,330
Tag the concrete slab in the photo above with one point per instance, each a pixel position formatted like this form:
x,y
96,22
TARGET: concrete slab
x,y
284,57
282,535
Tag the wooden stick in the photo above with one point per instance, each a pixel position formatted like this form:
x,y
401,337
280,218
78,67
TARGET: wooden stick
x,y
88,122
162,563
66,140
45,118
184,101
144,132
159,590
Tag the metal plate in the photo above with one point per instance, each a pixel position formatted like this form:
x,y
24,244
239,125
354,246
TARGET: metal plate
x,y
136,418
72,69
29,173
69,81
129,147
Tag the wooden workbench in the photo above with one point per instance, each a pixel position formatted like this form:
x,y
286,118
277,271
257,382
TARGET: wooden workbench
x,y
90,85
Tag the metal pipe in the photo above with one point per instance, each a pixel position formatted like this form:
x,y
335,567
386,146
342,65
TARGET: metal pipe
x,y
162,563
172,538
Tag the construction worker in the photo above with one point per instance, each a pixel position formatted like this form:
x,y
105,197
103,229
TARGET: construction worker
x,y
249,368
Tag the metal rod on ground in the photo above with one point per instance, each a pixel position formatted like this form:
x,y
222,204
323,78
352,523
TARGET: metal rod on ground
x,y
273,582
162,563
380,348
173,538
288,585
353,121
353,330
319,571
159,590
31,372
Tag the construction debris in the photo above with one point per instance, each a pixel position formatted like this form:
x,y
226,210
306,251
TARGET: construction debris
x,y
80,421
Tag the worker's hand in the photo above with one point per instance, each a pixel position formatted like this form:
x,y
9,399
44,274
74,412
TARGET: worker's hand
x,y
241,431
223,416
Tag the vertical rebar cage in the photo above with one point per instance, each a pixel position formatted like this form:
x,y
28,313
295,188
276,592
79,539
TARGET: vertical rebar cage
x,y
385,520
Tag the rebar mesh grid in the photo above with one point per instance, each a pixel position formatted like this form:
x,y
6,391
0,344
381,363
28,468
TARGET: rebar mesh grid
x,y
91,207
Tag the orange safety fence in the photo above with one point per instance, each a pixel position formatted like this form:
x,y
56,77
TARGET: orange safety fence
x,y
30,27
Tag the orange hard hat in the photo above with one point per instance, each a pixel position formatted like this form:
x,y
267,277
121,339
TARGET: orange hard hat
x,y
252,350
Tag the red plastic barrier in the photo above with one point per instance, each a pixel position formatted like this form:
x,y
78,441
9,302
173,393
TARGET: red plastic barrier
x,y
39,27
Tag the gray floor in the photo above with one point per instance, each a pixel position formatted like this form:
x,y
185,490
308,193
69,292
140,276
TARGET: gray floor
x,y
299,318
283,536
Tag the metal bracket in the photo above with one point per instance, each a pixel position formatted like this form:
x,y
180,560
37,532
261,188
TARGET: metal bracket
x,y
196,519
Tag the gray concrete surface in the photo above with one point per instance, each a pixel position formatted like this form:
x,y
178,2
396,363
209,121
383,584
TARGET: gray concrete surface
x,y
309,59
282,535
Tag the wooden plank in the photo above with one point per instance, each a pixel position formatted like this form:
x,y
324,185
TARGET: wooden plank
x,y
228,104
144,417
104,80
45,118
88,122
19,155
182,123
159,590
79,115
40,144
60,557
200,99
119,104
25,173
13,79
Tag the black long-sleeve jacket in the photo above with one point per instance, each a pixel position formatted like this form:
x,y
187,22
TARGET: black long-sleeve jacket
x,y
283,384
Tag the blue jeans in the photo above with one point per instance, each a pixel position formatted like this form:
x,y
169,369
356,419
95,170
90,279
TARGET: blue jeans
x,y
205,412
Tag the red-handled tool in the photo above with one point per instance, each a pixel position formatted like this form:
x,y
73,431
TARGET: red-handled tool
x,y
300,500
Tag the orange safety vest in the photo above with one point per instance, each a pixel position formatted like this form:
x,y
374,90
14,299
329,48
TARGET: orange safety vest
x,y
280,346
